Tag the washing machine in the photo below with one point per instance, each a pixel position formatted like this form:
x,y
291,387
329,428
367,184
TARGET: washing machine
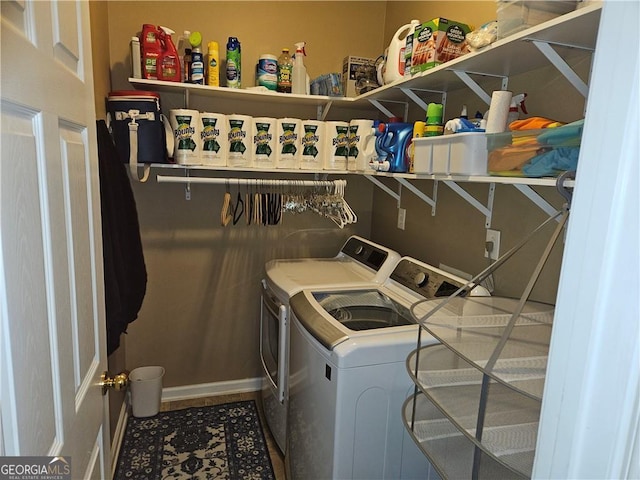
x,y
348,378
359,263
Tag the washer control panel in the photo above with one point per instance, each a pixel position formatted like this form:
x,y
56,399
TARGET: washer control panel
x,y
365,253
425,280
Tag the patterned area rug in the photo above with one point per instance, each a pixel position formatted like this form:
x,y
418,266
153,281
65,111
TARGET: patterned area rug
x,y
220,441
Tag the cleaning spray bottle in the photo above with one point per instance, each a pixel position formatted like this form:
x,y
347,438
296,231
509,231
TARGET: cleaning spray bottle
x,y
516,101
169,68
299,82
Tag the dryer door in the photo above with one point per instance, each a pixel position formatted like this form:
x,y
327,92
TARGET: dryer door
x,y
273,341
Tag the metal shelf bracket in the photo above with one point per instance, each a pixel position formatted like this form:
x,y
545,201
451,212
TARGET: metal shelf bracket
x,y
421,195
386,111
487,211
562,66
411,93
540,202
383,187
477,89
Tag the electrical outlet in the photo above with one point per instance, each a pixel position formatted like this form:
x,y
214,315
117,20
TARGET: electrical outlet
x,y
402,216
493,236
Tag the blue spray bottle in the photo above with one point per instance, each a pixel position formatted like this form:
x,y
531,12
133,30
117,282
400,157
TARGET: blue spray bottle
x,y
392,142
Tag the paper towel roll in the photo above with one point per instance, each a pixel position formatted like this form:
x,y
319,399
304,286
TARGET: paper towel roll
x,y
289,143
498,111
362,145
337,145
185,125
240,136
313,145
264,146
213,139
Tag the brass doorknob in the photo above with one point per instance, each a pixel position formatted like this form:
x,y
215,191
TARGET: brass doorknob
x,y
118,382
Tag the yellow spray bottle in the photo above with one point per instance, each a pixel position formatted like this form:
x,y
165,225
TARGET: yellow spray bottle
x,y
213,64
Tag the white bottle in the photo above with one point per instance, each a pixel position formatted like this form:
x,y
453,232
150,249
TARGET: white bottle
x,y
299,82
136,61
183,45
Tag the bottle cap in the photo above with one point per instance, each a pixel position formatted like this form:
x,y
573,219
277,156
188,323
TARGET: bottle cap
x,y
195,39
434,113
212,46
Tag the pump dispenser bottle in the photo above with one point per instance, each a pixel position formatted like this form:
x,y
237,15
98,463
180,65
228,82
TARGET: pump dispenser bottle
x,y
299,84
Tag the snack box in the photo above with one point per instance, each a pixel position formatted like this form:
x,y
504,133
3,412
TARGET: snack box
x,y
454,154
543,152
438,41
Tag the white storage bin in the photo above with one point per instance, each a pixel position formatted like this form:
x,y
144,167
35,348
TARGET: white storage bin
x,y
516,15
456,154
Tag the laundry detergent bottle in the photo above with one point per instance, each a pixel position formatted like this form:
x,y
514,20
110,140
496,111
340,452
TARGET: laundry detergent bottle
x,y
392,143
394,66
169,68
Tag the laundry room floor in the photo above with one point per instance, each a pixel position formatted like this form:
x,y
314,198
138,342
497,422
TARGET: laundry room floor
x,y
274,453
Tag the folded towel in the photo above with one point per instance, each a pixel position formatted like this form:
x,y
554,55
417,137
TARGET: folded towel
x,y
534,123
553,162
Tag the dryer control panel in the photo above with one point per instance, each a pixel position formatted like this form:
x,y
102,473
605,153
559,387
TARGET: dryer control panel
x,y
426,281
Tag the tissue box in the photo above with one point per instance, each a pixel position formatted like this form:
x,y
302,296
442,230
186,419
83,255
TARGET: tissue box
x,y
456,154
349,66
516,15
438,41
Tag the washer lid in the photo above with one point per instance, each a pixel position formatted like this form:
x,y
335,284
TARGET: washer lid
x,y
364,309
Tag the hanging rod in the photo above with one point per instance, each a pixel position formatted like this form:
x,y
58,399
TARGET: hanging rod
x,y
251,181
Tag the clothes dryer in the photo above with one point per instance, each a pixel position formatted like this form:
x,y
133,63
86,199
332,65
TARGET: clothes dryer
x,y
360,263
348,378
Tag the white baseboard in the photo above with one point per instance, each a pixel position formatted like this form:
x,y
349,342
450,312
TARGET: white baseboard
x,y
181,393
210,389
118,435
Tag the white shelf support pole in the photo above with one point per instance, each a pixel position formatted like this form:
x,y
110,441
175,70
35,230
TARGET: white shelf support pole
x,y
562,67
416,191
486,211
383,187
540,202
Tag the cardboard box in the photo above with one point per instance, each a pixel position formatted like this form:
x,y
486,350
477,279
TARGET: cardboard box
x,y
438,41
349,66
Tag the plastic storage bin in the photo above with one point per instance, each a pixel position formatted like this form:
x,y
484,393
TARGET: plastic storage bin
x,y
534,153
456,154
516,15
146,390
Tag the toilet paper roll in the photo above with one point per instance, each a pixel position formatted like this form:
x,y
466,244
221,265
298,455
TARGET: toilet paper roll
x,y
213,139
289,143
185,125
264,146
337,145
362,145
239,136
313,145
498,111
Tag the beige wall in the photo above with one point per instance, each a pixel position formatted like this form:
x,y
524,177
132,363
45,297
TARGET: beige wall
x,y
100,53
200,315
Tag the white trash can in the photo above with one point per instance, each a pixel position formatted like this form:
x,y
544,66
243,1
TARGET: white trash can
x,y
146,390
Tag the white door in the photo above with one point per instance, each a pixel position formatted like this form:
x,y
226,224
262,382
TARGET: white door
x,y
52,320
